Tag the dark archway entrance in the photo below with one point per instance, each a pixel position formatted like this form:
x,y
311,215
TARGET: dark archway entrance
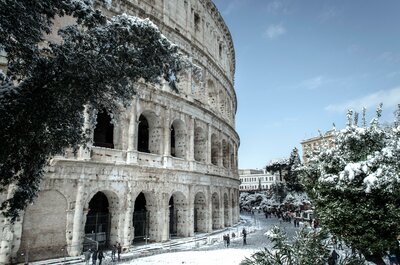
x,y
172,140
103,134
173,222
97,227
143,135
141,219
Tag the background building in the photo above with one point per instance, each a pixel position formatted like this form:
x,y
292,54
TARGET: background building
x,y
166,166
256,180
317,143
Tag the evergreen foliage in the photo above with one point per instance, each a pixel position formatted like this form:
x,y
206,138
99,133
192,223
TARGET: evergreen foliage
x,y
46,87
292,178
355,186
306,248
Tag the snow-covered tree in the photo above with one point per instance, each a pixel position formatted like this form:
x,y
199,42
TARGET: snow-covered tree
x,y
45,88
355,186
306,248
292,177
280,165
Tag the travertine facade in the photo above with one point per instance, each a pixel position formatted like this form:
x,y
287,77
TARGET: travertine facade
x,y
166,166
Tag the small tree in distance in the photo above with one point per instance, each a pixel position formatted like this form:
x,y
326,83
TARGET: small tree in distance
x,y
355,186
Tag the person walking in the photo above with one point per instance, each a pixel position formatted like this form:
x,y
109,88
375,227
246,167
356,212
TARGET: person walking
x,y
94,257
113,251
244,234
228,240
119,250
87,255
100,256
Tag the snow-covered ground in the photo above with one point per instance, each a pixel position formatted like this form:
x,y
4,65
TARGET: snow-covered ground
x,y
221,256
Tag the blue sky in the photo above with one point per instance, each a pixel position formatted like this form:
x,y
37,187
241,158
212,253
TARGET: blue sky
x,y
301,64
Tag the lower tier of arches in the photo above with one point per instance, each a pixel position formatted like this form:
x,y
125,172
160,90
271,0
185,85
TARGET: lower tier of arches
x,y
70,214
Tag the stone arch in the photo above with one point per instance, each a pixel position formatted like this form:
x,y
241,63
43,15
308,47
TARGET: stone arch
x,y
215,146
178,139
178,215
149,133
103,134
226,211
44,227
235,205
144,217
225,154
200,213
215,211
200,145
101,223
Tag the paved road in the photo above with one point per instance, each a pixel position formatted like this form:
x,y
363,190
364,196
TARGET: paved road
x,y
256,225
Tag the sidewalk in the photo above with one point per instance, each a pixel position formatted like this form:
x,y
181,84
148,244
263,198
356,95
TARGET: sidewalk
x,y
173,245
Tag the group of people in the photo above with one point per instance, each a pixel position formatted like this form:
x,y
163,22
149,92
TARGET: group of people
x,y
227,238
97,254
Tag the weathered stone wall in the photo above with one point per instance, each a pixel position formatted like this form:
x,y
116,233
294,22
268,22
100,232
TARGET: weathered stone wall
x,y
192,186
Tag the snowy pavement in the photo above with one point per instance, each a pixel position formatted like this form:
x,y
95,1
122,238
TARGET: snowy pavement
x,y
202,249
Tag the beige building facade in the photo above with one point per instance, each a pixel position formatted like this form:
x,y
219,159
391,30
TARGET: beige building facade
x,y
164,167
256,180
317,143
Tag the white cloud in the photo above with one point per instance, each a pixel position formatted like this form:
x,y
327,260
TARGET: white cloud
x,y
389,98
274,31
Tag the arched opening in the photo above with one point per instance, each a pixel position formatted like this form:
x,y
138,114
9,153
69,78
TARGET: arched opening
x,y
97,227
178,215
43,228
216,224
172,218
200,145
143,135
172,140
178,139
226,210
141,219
214,149
200,213
103,134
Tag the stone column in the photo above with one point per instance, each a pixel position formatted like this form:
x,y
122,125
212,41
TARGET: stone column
x,y
208,144
190,139
220,150
209,227
131,157
128,230
78,223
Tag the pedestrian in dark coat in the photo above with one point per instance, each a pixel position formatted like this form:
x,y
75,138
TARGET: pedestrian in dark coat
x,y
119,250
113,251
100,256
94,257
244,234
228,240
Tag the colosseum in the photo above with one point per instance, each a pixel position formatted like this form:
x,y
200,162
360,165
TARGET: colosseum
x,y
165,167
